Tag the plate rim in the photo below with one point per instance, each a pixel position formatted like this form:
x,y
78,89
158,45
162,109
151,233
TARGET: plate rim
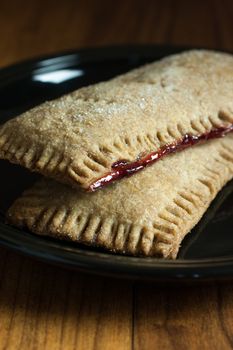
x,y
104,263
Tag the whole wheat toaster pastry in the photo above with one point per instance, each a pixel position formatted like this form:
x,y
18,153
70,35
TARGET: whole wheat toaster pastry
x,y
112,129
147,214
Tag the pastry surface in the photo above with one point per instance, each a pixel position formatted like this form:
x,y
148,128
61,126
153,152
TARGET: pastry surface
x,y
77,138
146,214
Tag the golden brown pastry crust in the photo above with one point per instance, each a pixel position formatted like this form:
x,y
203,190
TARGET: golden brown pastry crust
x,y
147,214
77,137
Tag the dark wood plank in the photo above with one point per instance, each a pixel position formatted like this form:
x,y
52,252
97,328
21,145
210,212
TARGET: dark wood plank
x,y
46,307
186,317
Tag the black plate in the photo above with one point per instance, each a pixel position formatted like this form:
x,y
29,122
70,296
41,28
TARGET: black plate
x,y
207,252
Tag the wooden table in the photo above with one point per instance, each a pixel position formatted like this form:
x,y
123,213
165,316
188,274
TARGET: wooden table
x,y
45,307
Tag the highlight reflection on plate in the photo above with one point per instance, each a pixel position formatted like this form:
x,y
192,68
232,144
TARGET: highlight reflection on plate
x,y
207,252
57,77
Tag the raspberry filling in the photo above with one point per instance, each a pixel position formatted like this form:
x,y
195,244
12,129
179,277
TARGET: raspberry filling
x,y
123,168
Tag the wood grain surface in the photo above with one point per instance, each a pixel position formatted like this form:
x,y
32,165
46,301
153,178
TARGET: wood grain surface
x,y
46,307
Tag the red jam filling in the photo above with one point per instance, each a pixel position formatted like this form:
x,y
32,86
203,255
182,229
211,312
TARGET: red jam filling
x,y
123,168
